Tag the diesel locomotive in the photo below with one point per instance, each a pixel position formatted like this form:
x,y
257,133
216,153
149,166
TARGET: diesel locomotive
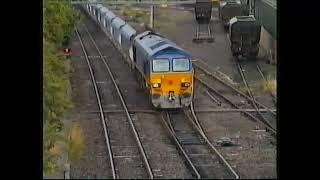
x,y
164,70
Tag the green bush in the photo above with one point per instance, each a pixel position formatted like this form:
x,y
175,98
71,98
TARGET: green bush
x,y
59,20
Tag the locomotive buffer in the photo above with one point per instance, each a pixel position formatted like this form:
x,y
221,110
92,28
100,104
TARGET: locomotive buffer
x,y
203,11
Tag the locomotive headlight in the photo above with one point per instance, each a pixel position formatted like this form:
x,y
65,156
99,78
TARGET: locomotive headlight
x,y
156,85
185,84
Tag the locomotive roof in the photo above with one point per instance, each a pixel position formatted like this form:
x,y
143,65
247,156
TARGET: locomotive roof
x,y
153,43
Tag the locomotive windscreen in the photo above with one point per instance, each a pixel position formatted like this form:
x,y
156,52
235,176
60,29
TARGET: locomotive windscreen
x,y
160,65
180,65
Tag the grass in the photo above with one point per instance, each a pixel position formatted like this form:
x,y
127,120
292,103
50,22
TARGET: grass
x,y
143,16
136,14
270,86
76,142
215,3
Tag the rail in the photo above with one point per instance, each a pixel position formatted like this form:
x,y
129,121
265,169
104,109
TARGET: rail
x,y
267,125
249,91
142,151
201,132
173,135
183,144
102,117
228,85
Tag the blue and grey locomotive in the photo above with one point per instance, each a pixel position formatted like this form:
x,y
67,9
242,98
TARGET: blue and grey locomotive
x,y
164,69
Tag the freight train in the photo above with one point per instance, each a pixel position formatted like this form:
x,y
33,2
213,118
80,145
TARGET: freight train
x,y
244,35
203,11
164,70
231,8
244,30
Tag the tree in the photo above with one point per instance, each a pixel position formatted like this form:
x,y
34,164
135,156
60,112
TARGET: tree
x,y
58,23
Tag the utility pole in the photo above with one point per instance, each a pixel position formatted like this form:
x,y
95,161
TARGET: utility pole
x,y
151,16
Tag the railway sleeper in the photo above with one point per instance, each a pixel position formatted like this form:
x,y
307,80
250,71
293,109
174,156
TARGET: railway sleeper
x,y
192,143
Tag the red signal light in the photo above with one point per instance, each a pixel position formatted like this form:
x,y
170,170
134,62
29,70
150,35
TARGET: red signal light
x,y
67,52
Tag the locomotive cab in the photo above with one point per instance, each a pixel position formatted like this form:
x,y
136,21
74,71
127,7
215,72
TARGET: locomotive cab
x,y
171,79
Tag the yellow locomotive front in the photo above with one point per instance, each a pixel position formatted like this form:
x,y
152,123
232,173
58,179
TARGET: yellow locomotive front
x,y
165,70
171,82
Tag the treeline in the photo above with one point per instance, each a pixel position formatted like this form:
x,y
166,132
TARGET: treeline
x,y
59,20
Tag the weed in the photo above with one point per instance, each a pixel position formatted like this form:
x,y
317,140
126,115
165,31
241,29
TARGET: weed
x,y
76,142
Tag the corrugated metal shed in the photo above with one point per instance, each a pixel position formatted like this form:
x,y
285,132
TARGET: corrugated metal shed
x,y
272,3
266,13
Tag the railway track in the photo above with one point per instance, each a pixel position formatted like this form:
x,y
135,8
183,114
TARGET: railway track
x,y
246,73
161,156
119,148
223,95
215,77
204,170
250,93
201,156
203,34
